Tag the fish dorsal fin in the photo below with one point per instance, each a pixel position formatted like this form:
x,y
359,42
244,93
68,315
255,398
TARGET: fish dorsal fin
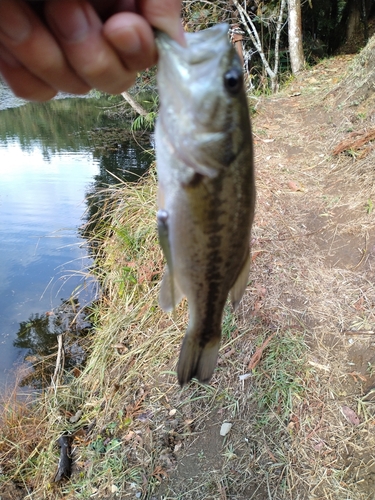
x,y
239,287
166,301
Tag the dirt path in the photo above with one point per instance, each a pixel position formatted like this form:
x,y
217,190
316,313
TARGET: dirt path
x,y
312,280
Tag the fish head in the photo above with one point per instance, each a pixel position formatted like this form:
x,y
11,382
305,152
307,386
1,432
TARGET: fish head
x,y
203,100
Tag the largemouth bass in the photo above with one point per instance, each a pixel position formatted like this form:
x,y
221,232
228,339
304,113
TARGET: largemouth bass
x,y
206,192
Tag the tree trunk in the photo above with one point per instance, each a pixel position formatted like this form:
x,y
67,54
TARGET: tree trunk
x,y
297,59
354,20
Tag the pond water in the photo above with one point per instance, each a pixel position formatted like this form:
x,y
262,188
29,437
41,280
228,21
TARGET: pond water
x,y
52,159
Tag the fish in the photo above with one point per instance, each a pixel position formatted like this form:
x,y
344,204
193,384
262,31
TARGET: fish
x,y
206,188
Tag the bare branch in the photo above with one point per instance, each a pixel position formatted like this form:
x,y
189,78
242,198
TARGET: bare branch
x,y
134,104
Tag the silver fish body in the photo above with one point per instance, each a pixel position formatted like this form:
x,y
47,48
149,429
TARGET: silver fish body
x,y
206,192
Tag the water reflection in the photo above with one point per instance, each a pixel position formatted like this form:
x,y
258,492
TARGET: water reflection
x,y
50,164
37,338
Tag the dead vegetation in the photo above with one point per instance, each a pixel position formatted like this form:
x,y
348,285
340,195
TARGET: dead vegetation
x,y
296,369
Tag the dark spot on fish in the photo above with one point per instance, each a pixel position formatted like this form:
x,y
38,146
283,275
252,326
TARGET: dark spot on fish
x,y
214,241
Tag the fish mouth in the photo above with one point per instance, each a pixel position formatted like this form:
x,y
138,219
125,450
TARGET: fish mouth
x,y
201,45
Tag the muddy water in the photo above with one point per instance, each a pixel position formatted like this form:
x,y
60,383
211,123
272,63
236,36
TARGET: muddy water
x,y
50,163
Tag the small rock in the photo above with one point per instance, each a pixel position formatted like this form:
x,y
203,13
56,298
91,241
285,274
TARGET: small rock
x,y
76,417
225,428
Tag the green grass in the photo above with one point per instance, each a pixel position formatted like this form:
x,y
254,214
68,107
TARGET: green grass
x,y
280,377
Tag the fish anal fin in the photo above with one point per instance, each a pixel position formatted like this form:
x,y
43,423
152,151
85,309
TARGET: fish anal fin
x,y
239,287
196,361
167,299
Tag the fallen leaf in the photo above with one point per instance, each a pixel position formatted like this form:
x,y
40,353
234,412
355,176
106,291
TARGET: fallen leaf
x,y
258,304
350,415
177,447
254,255
129,435
319,445
229,353
359,304
261,291
258,353
121,347
294,186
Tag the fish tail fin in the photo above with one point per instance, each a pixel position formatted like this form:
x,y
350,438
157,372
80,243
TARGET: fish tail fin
x,y
197,361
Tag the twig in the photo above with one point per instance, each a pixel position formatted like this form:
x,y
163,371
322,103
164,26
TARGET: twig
x,y
59,361
364,253
134,104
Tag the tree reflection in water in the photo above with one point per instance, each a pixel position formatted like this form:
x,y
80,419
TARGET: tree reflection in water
x,y
38,335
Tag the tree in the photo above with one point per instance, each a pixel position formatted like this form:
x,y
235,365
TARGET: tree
x,y
297,59
251,29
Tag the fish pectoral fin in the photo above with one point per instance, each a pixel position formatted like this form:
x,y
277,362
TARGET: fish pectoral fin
x,y
239,287
170,293
203,169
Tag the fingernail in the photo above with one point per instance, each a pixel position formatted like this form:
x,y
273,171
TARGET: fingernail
x,y
133,43
74,26
14,23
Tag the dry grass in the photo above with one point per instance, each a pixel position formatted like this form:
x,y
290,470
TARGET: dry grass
x,y
311,286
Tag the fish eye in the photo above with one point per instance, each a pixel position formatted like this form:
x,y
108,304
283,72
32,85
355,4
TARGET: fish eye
x,y
233,80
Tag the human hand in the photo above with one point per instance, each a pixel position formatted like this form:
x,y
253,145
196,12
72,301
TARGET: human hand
x,y
76,45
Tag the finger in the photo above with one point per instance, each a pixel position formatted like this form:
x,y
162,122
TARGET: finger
x,y
133,39
109,7
21,81
78,29
165,16
30,43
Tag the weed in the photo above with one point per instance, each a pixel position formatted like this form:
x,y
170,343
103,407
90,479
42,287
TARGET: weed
x,y
369,206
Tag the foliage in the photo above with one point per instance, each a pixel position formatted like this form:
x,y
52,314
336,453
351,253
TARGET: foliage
x,y
325,28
